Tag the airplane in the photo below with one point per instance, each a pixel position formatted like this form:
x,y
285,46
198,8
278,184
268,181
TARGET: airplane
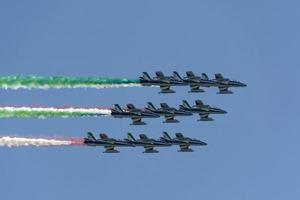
x,y
195,82
168,112
183,142
147,143
202,109
108,143
134,113
224,83
164,82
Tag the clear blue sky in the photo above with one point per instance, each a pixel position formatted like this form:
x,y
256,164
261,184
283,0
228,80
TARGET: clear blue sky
x,y
252,152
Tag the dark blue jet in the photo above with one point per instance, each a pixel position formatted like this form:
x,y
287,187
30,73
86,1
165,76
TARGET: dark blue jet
x,y
164,82
108,143
132,112
195,82
224,83
168,112
183,142
201,109
147,143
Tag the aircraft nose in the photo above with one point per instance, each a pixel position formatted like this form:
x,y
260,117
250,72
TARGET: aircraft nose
x,y
243,85
222,111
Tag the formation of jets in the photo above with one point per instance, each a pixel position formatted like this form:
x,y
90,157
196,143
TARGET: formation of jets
x,y
195,82
148,144
169,113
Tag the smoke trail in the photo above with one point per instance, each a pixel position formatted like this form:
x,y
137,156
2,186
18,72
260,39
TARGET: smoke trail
x,y
7,141
31,82
29,112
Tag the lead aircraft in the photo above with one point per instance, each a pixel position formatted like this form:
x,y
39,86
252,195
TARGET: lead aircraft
x,y
183,142
201,109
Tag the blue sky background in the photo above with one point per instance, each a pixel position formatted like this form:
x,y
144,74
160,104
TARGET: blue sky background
x,y
252,152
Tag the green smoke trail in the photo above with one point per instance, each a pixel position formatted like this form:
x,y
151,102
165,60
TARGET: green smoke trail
x,y
28,112
30,82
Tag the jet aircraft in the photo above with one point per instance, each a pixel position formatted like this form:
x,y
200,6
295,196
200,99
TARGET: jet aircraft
x,y
224,83
164,82
132,112
168,112
108,143
147,143
195,82
202,109
183,142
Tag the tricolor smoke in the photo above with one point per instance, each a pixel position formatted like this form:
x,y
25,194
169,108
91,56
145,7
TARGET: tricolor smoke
x,y
39,112
37,82
8,141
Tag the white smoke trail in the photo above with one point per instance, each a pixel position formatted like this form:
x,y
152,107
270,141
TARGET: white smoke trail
x,y
99,111
21,142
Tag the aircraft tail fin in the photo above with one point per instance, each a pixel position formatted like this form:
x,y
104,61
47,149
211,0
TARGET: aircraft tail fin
x,y
204,76
146,76
219,76
130,137
130,106
151,106
118,108
166,136
91,136
176,76
185,104
199,103
190,74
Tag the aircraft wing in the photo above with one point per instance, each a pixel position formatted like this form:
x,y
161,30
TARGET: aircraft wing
x,y
110,149
205,117
149,149
223,88
169,117
194,87
136,119
184,147
165,87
